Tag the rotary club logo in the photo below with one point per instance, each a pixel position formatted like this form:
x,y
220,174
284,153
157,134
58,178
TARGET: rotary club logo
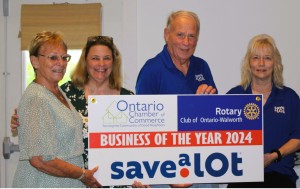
x,y
251,111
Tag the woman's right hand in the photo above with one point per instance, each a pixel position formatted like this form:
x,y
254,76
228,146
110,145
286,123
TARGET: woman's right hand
x,y
14,123
89,180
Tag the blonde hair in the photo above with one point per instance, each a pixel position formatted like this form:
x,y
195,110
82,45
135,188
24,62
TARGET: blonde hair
x,y
262,41
80,75
41,38
45,37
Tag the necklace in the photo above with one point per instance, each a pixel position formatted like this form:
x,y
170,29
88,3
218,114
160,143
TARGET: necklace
x,y
264,91
260,92
57,93
59,96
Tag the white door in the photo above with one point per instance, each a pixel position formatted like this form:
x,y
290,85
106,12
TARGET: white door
x,y
11,83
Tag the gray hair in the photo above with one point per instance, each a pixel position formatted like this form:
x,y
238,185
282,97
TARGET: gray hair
x,y
173,15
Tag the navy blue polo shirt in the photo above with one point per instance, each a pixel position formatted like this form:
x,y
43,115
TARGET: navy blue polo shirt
x,y
160,76
281,123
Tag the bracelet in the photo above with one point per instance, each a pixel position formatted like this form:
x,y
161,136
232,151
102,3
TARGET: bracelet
x,y
279,156
82,175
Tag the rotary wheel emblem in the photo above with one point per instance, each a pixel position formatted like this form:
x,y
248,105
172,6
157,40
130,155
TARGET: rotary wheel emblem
x,y
251,111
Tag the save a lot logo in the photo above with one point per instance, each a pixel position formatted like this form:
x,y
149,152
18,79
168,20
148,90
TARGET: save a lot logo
x,y
185,163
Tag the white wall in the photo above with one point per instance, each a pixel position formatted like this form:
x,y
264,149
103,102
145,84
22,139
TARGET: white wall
x,y
119,21
226,28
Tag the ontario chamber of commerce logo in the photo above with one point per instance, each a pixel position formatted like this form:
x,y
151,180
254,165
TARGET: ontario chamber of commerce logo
x,y
251,111
123,112
113,115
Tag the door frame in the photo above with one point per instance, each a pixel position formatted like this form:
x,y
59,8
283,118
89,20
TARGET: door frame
x,y
11,83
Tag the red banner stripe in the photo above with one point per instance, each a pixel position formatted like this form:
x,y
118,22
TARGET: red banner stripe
x,y
175,139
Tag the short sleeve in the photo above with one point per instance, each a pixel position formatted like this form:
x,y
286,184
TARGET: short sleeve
x,y
296,117
148,81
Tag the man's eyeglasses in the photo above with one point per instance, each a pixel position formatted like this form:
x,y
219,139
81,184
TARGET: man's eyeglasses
x,y
53,58
105,39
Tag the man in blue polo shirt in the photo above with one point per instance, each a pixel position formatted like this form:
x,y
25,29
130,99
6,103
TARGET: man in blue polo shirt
x,y
176,70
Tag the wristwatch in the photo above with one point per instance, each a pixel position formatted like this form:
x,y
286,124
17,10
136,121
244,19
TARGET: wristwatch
x,y
279,156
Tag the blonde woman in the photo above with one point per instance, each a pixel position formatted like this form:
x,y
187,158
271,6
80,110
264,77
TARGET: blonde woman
x,y
262,74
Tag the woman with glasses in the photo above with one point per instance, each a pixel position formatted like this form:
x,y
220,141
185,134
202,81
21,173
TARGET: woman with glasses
x,y
50,135
98,72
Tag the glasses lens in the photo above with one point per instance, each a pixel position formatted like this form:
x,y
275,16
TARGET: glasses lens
x,y
66,58
53,57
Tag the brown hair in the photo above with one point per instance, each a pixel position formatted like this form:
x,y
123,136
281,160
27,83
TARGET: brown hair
x,y
80,76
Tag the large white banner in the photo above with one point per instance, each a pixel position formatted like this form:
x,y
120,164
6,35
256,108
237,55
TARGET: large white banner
x,y
170,139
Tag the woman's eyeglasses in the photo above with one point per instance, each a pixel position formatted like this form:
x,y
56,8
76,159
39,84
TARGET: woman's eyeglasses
x,y
105,39
54,58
